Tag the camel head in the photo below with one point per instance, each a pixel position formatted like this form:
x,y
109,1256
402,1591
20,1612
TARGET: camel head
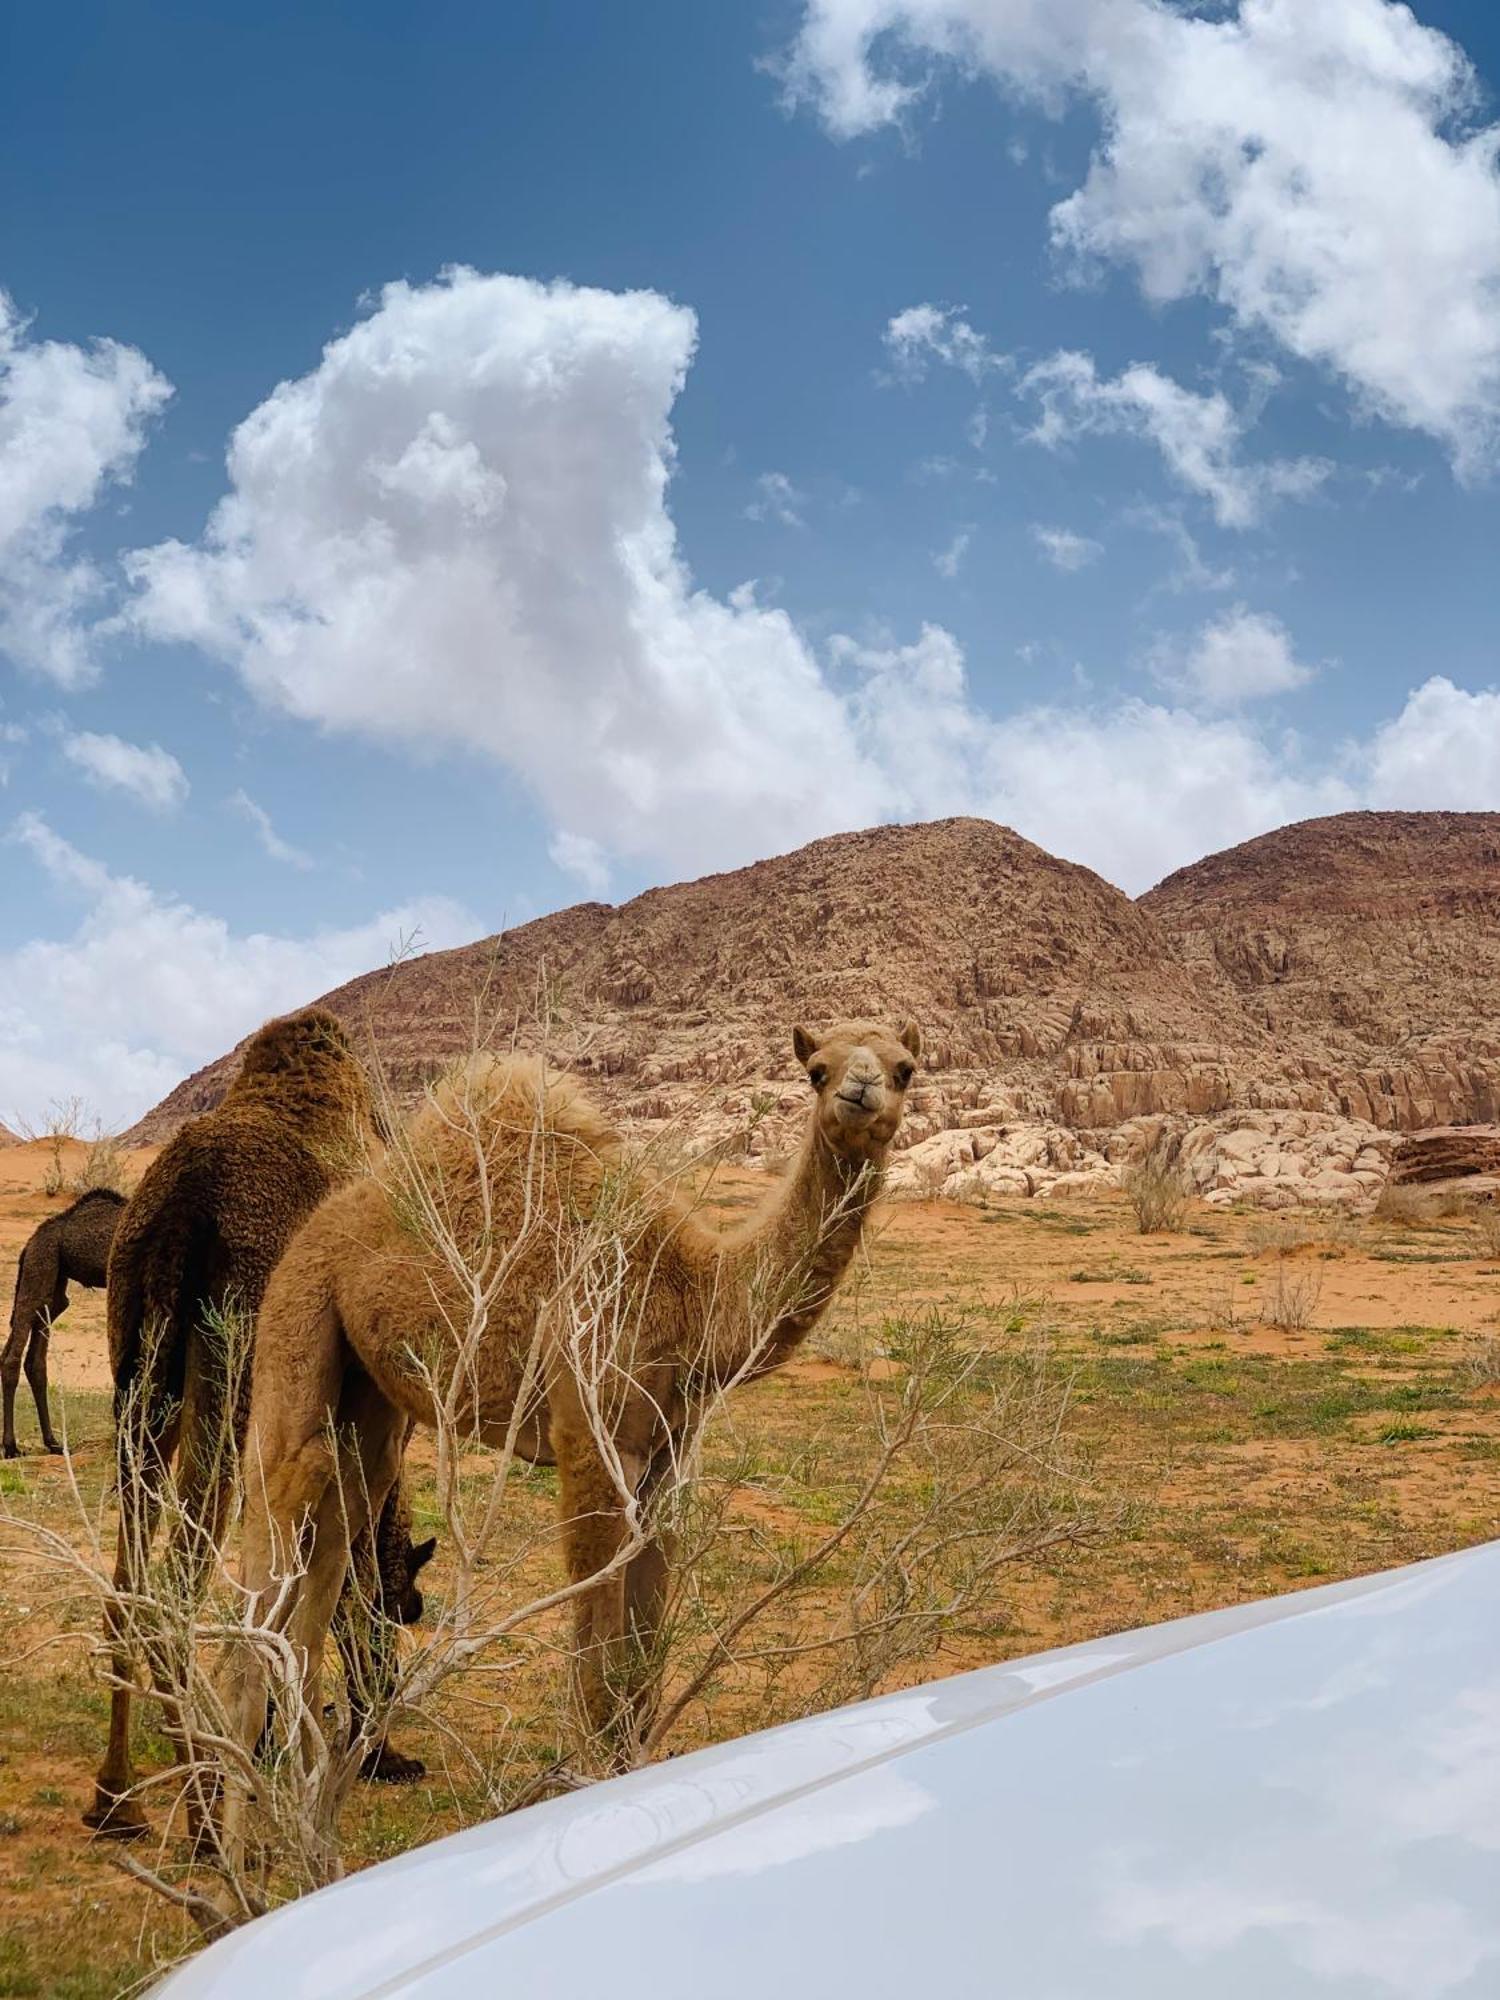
x,y
860,1072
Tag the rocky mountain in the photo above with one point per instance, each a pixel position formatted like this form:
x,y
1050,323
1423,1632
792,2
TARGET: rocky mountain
x,y
1271,1017
1366,948
1043,992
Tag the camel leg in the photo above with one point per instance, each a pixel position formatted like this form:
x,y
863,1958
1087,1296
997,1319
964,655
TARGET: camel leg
x,y
141,1475
594,1531
36,1362
369,1658
37,1281
300,1495
21,1330
203,1489
646,1576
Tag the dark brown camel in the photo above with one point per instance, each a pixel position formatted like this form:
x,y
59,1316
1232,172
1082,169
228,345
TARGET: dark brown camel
x,y
67,1249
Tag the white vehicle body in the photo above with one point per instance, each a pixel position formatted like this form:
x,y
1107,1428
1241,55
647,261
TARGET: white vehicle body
x,y
1293,1798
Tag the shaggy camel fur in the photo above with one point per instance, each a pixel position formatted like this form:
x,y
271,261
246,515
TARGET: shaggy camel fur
x,y
71,1248
197,1242
362,1319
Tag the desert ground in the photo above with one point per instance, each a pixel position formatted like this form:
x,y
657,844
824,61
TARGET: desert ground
x,y
1257,1403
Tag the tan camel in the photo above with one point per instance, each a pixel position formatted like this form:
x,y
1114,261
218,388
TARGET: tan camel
x,y
363,1318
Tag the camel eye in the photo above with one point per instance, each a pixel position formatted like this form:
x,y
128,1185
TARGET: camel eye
x,y
817,1076
904,1075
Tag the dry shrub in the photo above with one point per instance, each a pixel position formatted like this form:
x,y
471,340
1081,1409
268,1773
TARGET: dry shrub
x,y
1291,1298
961,1467
928,1179
1406,1207
1283,1235
1487,1231
1481,1362
1156,1195
103,1166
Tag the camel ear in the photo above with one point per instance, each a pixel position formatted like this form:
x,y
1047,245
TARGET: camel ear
x,y
805,1045
910,1038
423,1553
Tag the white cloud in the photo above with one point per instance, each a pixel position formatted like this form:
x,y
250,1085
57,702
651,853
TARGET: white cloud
x,y
1064,549
72,420
1133,790
777,499
454,533
147,989
1442,750
948,562
1198,436
270,840
1311,168
584,859
1242,656
923,334
150,775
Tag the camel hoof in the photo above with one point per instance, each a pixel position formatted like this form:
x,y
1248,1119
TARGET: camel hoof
x,y
51,1445
12,1450
111,1817
386,1766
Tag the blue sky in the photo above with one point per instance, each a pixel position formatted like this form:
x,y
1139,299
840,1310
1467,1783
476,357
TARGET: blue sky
x,y
1085,414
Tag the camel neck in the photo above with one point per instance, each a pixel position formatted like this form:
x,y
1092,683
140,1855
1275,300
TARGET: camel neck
x,y
774,1279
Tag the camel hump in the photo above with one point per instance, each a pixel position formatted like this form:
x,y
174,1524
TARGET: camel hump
x,y
514,1091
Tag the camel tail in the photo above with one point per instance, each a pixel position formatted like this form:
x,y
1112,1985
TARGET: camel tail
x,y
156,1269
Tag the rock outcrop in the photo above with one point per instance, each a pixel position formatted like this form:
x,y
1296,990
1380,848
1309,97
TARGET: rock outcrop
x,y
1366,949
1044,993
1271,1016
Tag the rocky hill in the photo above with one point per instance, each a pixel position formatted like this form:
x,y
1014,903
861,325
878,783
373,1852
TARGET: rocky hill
x,y
1271,1017
1366,948
1043,992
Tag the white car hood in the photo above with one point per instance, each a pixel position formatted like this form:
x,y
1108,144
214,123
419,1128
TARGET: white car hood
x,y
1293,1798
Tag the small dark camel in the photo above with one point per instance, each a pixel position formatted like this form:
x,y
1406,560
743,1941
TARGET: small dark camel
x,y
67,1249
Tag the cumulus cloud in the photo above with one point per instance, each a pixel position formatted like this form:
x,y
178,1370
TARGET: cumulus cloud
x,y
777,499
147,988
1242,656
454,533
920,335
73,420
1198,435
1442,750
1064,549
1132,789
147,773
1314,170
265,832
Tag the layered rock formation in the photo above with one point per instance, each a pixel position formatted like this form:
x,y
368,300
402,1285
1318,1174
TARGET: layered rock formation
x,y
1366,948
1043,992
1268,1018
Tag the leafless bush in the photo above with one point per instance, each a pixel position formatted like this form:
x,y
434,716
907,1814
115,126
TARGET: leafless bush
x,y
103,1165
928,1178
1481,1362
1291,1298
1281,1235
1487,1231
1156,1194
961,1468
1406,1207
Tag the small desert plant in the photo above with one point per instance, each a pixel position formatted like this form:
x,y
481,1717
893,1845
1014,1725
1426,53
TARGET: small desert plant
x,y
1487,1231
1292,1296
1329,1231
928,1179
1481,1363
103,1166
1156,1195
1407,1207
